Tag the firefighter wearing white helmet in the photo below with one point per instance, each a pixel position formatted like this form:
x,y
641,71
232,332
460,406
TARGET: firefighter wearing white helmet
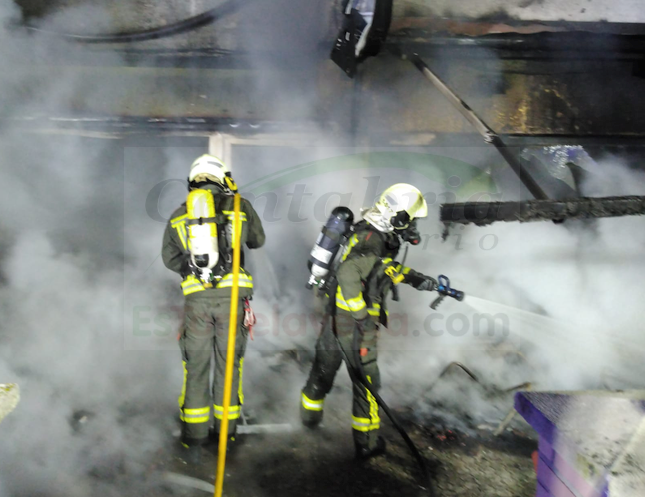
x,y
197,245
364,278
210,169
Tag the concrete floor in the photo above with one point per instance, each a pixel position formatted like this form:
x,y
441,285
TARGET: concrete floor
x,y
320,463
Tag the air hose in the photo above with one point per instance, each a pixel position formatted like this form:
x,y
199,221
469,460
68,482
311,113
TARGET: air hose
x,y
179,27
358,374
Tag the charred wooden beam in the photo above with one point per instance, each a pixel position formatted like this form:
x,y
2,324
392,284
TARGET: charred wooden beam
x,y
484,213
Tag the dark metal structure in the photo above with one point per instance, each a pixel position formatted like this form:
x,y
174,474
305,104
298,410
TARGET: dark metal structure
x,y
484,213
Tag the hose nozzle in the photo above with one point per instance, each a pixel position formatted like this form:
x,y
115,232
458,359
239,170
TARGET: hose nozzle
x,y
444,290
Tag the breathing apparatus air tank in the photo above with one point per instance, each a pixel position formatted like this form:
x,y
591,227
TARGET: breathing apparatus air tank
x,y
202,231
333,235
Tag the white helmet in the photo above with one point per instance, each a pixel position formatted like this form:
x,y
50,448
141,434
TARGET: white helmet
x,y
210,169
396,208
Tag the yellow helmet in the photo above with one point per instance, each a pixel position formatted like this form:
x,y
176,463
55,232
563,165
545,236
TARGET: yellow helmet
x,y
211,169
397,207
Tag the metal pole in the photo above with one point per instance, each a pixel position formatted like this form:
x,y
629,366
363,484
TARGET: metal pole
x,y
230,353
482,128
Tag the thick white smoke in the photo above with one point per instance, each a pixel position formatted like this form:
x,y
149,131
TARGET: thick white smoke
x,y
89,313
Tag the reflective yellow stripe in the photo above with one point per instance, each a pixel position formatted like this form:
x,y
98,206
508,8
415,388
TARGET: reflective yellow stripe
x,y
179,219
406,270
245,280
312,405
197,415
374,421
240,392
364,424
182,395
341,305
352,243
354,305
196,411
191,285
375,310
179,223
234,412
230,215
374,417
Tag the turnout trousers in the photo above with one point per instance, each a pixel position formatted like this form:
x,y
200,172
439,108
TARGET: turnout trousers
x,y
365,410
205,335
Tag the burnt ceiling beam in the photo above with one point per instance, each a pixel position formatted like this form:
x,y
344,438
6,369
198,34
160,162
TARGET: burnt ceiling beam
x,y
548,45
485,213
126,125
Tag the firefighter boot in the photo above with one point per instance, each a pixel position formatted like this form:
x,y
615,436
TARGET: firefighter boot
x,y
365,452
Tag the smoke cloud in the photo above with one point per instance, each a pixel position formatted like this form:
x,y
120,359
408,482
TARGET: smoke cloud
x,y
90,315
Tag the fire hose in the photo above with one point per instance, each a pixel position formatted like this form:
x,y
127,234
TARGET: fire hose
x,y
184,26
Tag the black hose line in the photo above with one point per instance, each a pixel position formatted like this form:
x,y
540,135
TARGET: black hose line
x,y
358,374
179,27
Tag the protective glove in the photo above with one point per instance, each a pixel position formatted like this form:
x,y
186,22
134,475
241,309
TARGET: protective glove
x,y
428,284
421,281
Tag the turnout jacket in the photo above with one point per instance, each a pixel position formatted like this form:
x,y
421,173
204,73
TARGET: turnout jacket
x,y
175,253
368,272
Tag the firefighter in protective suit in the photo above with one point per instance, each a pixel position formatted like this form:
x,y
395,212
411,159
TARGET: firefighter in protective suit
x,y
205,269
364,278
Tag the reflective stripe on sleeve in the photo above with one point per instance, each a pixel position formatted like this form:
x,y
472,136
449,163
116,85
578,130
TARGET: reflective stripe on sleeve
x,y
179,223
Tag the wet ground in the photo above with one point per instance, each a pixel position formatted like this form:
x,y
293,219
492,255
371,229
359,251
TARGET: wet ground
x,y
320,462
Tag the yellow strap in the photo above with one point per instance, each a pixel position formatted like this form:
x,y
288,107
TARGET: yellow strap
x,y
352,243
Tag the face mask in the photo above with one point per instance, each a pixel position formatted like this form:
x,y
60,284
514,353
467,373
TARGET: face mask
x,y
400,221
411,234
